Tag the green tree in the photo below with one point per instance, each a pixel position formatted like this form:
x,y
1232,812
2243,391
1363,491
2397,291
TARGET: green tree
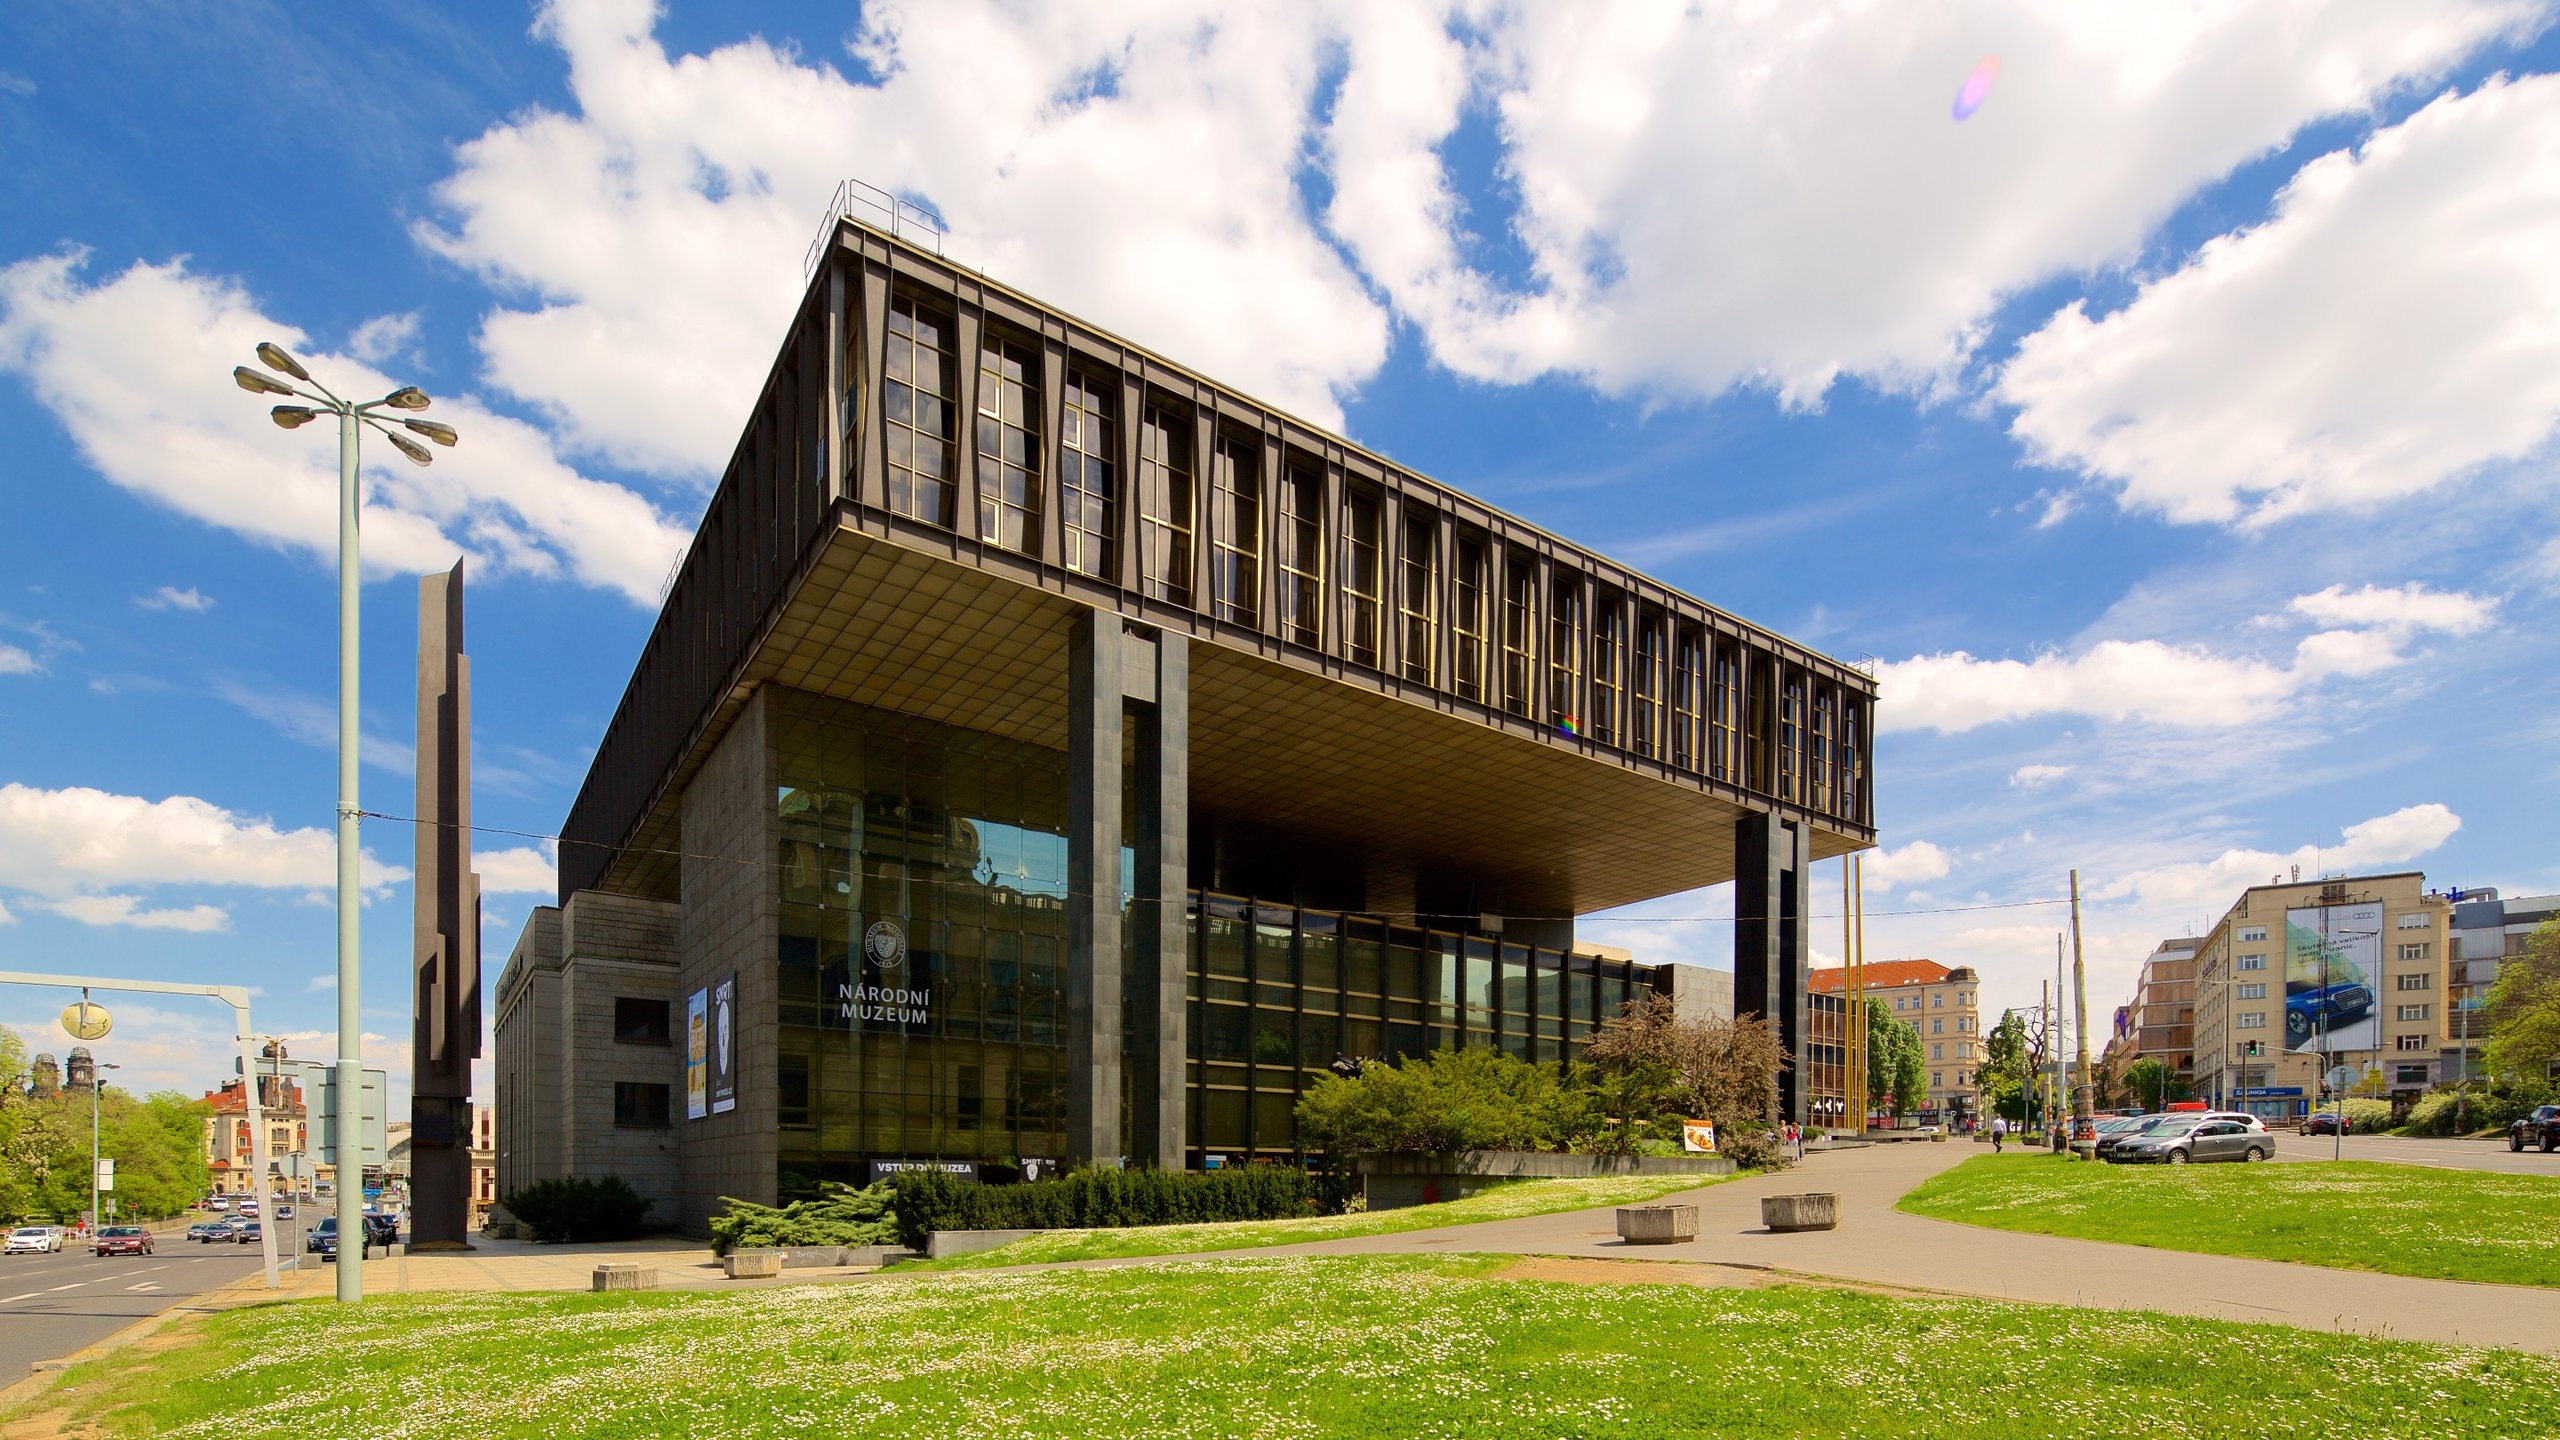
x,y
2153,1083
157,1144
1707,1068
16,1190
1473,1099
2005,1067
2523,1009
1897,1063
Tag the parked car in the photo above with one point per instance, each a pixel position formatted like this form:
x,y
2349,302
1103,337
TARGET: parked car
x,y
385,1229
123,1240
2541,1128
2328,1122
2198,1140
2109,1141
34,1240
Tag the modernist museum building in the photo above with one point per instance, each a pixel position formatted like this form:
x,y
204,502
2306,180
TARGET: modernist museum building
x,y
1048,756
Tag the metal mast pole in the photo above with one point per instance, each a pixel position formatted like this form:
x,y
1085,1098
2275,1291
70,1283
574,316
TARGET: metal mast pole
x,y
346,1108
1866,1056
97,1217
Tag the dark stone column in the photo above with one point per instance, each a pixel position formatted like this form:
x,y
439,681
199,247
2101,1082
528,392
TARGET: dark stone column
x,y
445,988
1773,862
1094,647
1161,834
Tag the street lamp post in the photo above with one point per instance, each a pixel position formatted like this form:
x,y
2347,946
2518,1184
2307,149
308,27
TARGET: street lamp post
x,y
352,417
97,1083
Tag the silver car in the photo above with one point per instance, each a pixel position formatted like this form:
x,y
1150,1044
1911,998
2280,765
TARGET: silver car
x,y
2204,1139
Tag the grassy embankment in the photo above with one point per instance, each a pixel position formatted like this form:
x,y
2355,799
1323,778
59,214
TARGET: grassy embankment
x,y
2350,1215
1402,1345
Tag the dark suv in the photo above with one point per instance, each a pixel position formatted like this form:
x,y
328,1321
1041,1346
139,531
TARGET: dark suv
x,y
2541,1128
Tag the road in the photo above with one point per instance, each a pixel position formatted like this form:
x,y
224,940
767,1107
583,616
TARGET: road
x,y
52,1305
2489,1155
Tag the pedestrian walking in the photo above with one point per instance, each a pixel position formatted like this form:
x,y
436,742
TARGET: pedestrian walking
x,y
1999,1132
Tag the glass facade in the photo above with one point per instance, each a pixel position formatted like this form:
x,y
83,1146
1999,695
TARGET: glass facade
x,y
922,965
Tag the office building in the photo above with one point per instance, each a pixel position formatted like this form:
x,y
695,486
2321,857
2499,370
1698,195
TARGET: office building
x,y
2486,932
1942,1003
1048,755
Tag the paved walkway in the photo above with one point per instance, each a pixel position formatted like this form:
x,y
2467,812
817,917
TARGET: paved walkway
x,y
1877,1244
506,1265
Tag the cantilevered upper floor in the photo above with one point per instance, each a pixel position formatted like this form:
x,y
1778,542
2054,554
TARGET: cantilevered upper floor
x,y
942,471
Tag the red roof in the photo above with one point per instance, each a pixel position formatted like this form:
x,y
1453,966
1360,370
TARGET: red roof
x,y
1884,974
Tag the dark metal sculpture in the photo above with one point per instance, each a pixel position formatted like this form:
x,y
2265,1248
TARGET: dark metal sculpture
x,y
447,978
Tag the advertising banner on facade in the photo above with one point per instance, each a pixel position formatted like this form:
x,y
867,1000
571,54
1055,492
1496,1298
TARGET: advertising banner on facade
x,y
724,1045
697,1055
2332,968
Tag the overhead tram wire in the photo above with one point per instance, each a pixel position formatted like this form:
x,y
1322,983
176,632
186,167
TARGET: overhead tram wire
x,y
1065,893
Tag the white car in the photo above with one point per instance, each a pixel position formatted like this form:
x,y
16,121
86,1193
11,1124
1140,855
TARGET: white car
x,y
34,1240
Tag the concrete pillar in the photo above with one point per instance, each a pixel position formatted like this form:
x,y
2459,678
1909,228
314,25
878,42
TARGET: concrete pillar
x,y
1161,835
1094,690
1773,861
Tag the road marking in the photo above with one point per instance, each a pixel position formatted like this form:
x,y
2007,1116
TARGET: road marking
x,y
14,1299
145,1286
74,1285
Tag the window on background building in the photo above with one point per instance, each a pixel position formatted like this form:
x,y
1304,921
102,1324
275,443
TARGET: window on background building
x,y
1937,1080
1418,592
640,1022
2253,990
1299,543
1938,1002
1164,505
1818,757
2413,1042
1937,1052
2251,962
1938,1025
2255,932
1235,530
2249,1020
1645,687
1519,635
2420,981
1853,761
1608,709
1086,439
1724,715
1472,626
639,1105
1565,627
1688,698
1009,446
1897,1002
2414,952
1361,580
2413,1012
919,401
2410,1075
2414,921
1791,740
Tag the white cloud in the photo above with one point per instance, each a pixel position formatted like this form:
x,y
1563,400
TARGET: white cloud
x,y
307,719
170,597
135,369
14,661
1915,862
2394,839
2399,609
2394,326
1745,194
1138,169
83,853
522,870
5,917
2028,777
384,337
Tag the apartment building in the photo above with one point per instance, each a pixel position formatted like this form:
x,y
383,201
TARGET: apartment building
x,y
2485,931
2164,1007
2302,977
1942,1003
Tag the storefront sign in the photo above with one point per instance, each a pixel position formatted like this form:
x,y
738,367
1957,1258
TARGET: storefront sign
x,y
724,1045
883,1169
2271,1092
697,1055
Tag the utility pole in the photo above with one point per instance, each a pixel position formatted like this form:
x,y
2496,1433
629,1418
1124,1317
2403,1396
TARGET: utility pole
x,y
2084,1120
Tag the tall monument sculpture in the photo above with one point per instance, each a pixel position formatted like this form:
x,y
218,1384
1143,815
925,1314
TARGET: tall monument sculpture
x,y
446,1017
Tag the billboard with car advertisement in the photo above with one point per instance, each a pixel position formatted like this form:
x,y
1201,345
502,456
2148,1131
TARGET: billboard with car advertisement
x,y
2332,978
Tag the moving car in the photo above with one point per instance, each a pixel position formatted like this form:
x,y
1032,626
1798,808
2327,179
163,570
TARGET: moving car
x,y
284,1212
34,1240
2328,1122
123,1240
2197,1140
206,1231
247,1232
2541,1128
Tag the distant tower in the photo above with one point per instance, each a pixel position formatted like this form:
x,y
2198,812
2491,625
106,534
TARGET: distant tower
x,y
84,1069
45,1078
446,1020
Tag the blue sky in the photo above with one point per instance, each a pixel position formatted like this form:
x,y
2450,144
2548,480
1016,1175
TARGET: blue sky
x,y
2176,433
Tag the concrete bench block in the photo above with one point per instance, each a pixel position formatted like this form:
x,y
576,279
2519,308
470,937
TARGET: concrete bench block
x,y
1816,1210
1658,1224
620,1275
753,1264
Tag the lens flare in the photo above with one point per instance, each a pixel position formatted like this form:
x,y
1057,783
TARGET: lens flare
x,y
1977,86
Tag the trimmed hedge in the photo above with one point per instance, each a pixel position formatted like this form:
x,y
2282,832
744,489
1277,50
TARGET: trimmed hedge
x,y
930,1200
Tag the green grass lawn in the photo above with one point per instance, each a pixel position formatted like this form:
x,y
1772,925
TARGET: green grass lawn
x,y
1365,1346
1508,1201
2353,1215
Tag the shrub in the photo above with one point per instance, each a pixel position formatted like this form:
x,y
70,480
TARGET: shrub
x,y
579,1211
2433,1114
1753,1149
840,1215
1473,1099
2366,1117
927,1201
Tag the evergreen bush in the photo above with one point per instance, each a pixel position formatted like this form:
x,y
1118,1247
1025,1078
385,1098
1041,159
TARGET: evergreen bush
x,y
840,1215
927,1201
579,1211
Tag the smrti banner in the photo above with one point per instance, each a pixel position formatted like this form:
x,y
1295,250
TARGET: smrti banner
x,y
697,1055
724,1045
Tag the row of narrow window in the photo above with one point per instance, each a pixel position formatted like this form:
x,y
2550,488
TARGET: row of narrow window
x,y
1613,671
